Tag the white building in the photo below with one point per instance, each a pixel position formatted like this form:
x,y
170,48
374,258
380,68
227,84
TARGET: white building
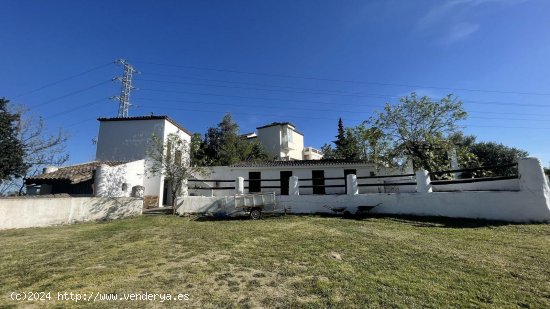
x,y
284,142
315,176
121,162
128,139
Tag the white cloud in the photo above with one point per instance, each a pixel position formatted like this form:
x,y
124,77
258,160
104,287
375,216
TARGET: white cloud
x,y
460,31
449,22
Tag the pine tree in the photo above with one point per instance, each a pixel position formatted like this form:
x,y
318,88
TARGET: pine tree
x,y
11,149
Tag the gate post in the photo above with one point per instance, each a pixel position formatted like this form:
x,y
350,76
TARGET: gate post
x,y
294,186
423,181
239,185
352,188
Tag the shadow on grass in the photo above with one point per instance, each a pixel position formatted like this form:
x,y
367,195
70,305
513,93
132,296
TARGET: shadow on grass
x,y
438,222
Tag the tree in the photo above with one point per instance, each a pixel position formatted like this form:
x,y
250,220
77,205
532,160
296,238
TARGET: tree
x,y
41,148
222,145
374,145
12,151
346,145
172,159
419,128
491,154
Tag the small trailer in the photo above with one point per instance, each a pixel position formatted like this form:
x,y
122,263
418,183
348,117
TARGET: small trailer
x,y
256,204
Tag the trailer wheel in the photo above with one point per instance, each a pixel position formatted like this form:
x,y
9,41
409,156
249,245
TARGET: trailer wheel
x,y
255,214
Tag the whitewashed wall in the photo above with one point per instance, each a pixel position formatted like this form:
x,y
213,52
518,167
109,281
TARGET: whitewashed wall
x,y
302,172
43,211
498,185
109,180
126,140
530,203
130,140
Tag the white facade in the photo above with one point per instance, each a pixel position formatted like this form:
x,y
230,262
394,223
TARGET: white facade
x,y
528,202
271,176
128,139
284,142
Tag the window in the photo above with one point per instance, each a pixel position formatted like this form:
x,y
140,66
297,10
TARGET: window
x,y
290,135
177,157
318,181
254,182
169,151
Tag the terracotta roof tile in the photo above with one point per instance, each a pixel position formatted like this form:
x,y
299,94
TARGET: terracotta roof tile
x,y
301,163
74,173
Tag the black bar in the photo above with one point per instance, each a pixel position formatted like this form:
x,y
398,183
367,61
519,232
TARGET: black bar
x,y
326,186
471,180
265,179
386,176
475,169
387,184
209,180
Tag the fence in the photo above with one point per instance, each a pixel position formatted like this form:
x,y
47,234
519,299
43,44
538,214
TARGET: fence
x,y
399,183
529,201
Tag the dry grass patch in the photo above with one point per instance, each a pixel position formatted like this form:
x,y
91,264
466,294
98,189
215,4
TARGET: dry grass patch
x,y
285,262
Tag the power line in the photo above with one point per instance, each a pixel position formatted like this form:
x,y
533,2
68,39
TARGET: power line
x,y
319,118
314,91
311,109
82,106
469,102
71,94
63,80
344,80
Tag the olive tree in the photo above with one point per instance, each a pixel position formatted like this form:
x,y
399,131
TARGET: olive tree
x,y
171,159
419,128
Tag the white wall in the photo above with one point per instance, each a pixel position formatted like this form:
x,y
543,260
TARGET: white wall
x,y
270,138
296,151
41,211
130,140
109,180
303,172
126,140
498,185
530,204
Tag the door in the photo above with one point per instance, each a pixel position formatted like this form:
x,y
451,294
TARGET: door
x,y
318,181
285,181
254,182
346,173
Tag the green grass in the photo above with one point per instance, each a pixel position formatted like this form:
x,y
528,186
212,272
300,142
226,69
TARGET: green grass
x,y
285,262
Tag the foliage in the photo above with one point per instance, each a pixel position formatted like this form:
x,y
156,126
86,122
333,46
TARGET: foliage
x,y
547,171
12,150
374,146
491,153
171,158
346,145
42,148
222,145
419,128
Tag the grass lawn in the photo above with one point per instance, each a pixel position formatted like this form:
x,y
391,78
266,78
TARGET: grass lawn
x,y
284,262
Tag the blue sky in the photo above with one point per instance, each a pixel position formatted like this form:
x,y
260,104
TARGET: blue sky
x,y
313,61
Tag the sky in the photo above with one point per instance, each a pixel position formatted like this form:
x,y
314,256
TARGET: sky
x,y
306,62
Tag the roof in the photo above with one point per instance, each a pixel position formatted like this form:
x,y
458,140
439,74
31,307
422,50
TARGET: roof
x,y
150,117
299,163
273,124
74,173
